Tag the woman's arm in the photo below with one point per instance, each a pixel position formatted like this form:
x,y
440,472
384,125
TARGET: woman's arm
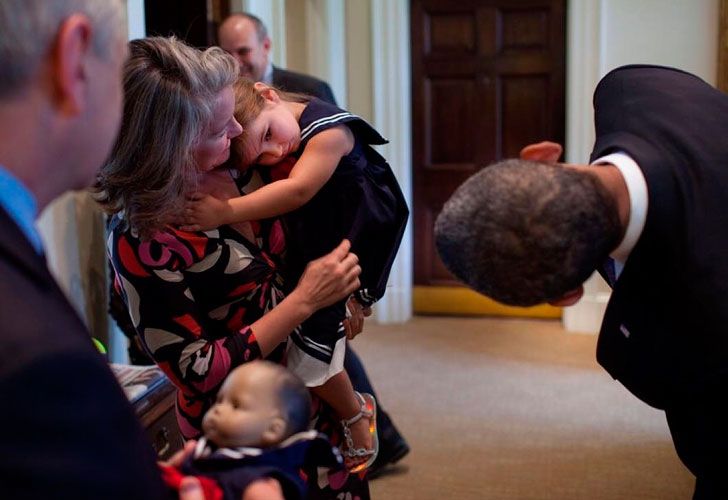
x,y
173,327
325,281
315,167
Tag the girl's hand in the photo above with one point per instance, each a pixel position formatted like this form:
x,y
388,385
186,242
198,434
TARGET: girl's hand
x,y
330,278
203,212
354,324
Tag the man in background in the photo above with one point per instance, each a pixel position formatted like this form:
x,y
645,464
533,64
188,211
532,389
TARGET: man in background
x,y
246,38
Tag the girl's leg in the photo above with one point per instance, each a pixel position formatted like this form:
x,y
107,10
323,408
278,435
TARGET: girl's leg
x,y
339,394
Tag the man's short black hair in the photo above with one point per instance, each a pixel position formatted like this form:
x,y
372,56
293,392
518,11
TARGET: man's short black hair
x,y
525,232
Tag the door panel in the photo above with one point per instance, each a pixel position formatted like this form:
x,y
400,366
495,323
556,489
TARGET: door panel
x,y
487,79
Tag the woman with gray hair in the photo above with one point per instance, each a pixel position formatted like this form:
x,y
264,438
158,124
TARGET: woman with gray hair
x,y
202,302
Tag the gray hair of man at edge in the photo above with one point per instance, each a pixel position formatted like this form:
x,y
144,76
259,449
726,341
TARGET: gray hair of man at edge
x,y
27,28
525,232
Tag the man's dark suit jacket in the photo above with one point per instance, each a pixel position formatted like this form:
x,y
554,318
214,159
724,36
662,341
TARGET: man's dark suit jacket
x,y
68,431
665,331
305,84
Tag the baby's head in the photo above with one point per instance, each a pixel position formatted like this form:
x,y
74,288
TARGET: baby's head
x,y
251,100
259,405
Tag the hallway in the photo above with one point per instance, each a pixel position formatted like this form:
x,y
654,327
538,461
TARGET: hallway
x,y
514,409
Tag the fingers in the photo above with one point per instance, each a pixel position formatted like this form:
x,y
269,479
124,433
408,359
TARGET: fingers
x,y
348,264
179,457
350,260
352,283
354,324
347,329
342,250
191,489
331,278
353,306
352,271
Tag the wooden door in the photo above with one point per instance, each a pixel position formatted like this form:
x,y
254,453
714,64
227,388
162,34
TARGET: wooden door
x,y
487,79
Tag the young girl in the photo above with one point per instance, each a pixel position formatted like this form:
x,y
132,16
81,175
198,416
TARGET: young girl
x,y
338,188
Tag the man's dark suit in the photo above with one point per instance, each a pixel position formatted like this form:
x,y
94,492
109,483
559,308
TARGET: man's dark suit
x,y
305,84
665,331
67,429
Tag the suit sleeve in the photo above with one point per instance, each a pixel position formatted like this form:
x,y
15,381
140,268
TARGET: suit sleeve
x,y
69,431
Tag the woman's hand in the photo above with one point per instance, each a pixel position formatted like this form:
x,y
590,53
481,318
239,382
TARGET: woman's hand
x,y
179,457
325,281
330,278
190,487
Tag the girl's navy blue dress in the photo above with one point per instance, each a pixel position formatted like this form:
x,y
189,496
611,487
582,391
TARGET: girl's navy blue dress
x,y
363,202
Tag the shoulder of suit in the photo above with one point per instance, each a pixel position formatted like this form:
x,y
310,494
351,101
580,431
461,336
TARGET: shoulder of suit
x,y
293,75
644,70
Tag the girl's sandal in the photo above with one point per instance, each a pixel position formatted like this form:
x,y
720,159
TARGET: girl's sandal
x,y
368,410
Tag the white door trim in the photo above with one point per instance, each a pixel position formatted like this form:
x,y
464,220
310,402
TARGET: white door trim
x,y
392,103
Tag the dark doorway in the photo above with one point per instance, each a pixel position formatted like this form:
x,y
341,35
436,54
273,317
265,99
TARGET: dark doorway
x,y
488,77
194,21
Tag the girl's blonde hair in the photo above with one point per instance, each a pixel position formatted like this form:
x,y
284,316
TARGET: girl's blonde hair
x,y
169,94
249,103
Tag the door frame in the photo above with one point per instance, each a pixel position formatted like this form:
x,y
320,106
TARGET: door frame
x,y
392,106
392,110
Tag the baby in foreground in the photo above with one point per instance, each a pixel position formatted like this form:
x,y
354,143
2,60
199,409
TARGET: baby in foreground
x,y
256,438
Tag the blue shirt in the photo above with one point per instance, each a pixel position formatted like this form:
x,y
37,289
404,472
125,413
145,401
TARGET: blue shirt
x,y
20,204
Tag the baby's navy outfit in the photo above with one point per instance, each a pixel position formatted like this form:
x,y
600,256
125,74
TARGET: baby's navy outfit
x,y
226,472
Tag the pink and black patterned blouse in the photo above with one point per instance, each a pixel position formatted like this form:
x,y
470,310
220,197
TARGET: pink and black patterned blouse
x,y
192,297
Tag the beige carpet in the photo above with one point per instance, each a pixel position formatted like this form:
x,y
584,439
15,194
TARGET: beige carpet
x,y
508,409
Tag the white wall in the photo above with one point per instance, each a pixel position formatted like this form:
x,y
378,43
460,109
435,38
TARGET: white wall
x,y
605,34
680,33
135,19
272,13
367,65
359,57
